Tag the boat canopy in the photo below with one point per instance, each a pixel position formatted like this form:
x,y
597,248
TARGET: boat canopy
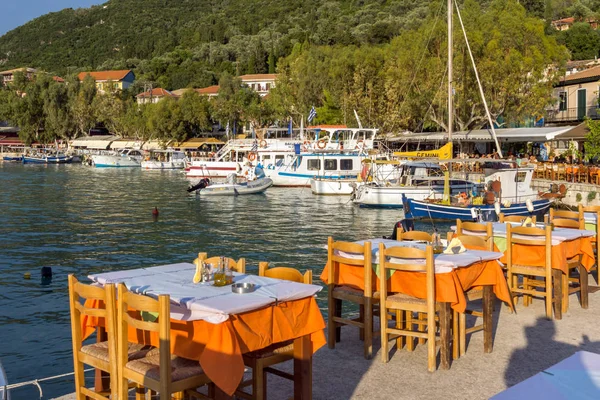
x,y
195,143
484,135
126,144
93,142
443,153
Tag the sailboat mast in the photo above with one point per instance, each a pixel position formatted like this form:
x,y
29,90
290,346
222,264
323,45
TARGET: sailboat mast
x,y
450,78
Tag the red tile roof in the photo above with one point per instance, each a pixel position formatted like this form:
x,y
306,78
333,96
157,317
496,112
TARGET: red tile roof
x,y
258,77
209,90
58,79
105,75
156,92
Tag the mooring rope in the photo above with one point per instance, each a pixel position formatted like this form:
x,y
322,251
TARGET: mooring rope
x,y
36,382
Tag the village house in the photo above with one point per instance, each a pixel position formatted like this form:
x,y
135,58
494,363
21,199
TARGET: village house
x,y
576,97
210,91
153,96
118,80
7,77
565,24
260,83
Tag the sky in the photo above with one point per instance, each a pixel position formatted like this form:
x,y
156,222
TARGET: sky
x,y
14,13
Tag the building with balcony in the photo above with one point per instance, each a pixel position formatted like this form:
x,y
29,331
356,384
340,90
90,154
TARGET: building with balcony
x,y
260,83
153,96
7,77
576,98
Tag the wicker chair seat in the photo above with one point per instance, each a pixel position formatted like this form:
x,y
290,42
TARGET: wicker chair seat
x,y
181,368
134,351
276,348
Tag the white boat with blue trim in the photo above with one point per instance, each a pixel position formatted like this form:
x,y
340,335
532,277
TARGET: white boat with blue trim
x,y
124,158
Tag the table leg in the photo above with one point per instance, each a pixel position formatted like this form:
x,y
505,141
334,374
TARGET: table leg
x,y
338,313
303,368
488,305
101,378
221,395
445,313
557,286
583,285
565,291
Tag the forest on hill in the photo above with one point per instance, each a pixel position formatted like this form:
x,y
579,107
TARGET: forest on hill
x,y
386,59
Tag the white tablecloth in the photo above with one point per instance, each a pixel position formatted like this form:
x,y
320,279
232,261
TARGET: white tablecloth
x,y
191,301
444,263
576,377
559,235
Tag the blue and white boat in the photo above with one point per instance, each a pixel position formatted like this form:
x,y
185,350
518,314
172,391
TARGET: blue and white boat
x,y
306,166
508,190
56,158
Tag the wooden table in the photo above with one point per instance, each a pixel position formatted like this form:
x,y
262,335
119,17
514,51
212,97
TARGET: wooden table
x,y
451,282
219,346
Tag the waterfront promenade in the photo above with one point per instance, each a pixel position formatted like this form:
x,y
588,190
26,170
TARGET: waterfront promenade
x,y
524,344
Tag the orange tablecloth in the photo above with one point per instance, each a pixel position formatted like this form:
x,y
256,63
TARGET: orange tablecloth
x,y
219,347
534,255
449,287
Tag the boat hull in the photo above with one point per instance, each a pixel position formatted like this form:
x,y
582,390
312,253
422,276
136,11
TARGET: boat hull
x,y
227,189
212,169
332,187
47,160
178,164
104,161
423,209
391,196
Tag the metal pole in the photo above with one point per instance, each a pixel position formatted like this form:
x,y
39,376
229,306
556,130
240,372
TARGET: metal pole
x,y
487,110
450,78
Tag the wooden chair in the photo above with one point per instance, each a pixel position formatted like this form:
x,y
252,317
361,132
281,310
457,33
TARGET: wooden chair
x,y
549,279
576,216
261,360
561,172
101,355
583,174
366,299
161,372
285,273
476,236
515,218
413,235
402,303
237,266
595,242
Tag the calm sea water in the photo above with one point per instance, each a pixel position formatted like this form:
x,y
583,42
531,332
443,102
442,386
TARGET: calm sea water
x,y
82,220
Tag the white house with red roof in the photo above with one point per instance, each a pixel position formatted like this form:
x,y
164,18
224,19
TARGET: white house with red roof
x,y
120,79
153,96
260,83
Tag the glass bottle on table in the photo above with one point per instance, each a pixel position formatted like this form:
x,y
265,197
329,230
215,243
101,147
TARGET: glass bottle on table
x,y
220,279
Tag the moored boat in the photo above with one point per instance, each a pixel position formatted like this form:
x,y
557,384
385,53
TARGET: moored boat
x,y
41,158
323,185
4,393
124,158
164,159
255,185
508,190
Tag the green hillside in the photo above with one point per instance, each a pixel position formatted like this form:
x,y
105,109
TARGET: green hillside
x,y
241,36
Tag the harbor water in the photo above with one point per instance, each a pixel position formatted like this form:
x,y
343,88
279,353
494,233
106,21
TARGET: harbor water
x,y
81,220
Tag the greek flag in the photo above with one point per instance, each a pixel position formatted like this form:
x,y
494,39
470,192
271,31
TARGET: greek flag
x,y
312,114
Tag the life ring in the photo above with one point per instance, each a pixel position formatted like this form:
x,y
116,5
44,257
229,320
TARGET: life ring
x,y
263,143
359,144
252,156
321,144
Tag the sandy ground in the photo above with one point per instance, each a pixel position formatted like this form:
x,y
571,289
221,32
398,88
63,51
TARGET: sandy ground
x,y
525,343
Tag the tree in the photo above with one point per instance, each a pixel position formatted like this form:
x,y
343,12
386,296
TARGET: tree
x,y
81,105
582,41
592,140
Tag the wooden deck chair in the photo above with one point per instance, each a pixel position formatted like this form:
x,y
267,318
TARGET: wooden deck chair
x,y
261,361
403,304
159,371
365,298
530,283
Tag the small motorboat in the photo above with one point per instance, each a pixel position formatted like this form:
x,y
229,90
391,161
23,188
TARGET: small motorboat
x,y
255,184
57,158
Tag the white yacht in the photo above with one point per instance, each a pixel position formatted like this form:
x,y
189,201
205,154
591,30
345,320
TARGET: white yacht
x,y
123,158
417,181
164,159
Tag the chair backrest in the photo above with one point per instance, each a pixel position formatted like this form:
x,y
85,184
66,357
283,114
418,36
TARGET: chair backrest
x,y
474,229
566,223
411,261
237,266
285,273
335,258
477,242
515,218
566,214
414,235
104,297
133,310
530,237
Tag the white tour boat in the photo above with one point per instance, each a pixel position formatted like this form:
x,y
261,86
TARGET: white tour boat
x,y
164,159
124,158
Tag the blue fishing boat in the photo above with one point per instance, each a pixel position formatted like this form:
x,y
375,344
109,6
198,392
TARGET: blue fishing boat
x,y
47,159
508,191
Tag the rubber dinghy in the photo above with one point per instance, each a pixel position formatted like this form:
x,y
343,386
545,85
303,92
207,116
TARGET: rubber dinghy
x,y
231,187
4,394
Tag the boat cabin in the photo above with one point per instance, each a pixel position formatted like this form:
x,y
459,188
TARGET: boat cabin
x,y
508,181
421,173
